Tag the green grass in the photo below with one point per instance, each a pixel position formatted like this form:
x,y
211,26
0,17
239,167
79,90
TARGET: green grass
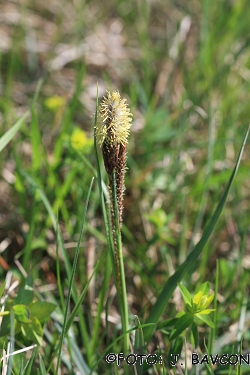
x,y
184,69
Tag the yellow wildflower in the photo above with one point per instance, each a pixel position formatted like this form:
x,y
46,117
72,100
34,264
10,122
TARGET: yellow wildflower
x,y
54,103
80,141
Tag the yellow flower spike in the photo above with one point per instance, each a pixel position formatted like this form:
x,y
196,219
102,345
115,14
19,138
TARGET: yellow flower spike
x,y
112,131
114,120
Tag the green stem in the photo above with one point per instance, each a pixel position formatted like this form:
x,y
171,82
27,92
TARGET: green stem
x,y
107,222
120,272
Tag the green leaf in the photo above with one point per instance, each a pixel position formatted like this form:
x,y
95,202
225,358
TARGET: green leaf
x,y
204,288
42,310
42,367
185,294
29,368
22,313
38,243
169,287
2,288
180,314
182,323
25,294
33,331
7,137
195,334
18,326
206,312
208,301
5,326
206,319
3,313
167,323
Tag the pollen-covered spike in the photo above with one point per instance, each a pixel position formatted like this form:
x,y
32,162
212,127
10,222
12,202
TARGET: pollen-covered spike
x,y
115,115
112,131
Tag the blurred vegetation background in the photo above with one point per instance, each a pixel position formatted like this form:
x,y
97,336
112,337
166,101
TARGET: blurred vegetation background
x,y
184,67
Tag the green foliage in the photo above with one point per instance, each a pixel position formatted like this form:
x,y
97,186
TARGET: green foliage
x,y
184,69
187,266
196,307
28,315
182,323
2,287
7,137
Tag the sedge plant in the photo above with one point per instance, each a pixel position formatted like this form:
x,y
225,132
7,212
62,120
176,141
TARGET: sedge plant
x,y
112,125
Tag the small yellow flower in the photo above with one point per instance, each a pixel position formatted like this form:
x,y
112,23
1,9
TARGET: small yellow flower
x,y
54,103
80,141
114,120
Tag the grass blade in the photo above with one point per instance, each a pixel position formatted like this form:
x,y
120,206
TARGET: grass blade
x,y
7,137
42,367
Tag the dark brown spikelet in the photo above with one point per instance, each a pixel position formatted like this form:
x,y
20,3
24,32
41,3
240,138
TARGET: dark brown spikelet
x,y
116,162
120,175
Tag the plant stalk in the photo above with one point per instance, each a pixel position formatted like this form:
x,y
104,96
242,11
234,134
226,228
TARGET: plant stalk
x,y
120,273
